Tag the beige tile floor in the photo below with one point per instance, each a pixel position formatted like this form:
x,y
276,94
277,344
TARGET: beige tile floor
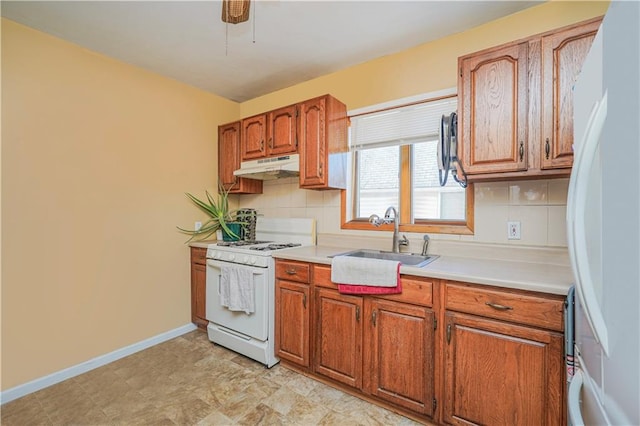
x,y
189,381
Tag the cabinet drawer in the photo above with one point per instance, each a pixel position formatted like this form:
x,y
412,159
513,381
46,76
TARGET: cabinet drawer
x,y
532,310
292,271
322,276
199,255
414,290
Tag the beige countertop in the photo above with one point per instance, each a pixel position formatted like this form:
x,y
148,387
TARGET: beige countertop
x,y
532,276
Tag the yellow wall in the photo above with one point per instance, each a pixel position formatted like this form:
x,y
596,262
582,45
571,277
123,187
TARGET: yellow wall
x,y
428,67
96,157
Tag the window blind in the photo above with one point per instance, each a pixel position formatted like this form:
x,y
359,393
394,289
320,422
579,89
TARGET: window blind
x,y
400,126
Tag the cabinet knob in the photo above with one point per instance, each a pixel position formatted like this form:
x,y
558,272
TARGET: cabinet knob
x,y
262,145
373,318
547,148
271,143
304,301
358,313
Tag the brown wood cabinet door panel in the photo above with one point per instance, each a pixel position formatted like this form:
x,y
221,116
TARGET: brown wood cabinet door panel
x,y
493,121
338,329
563,54
253,138
282,131
501,374
292,322
228,153
400,354
229,161
313,158
198,294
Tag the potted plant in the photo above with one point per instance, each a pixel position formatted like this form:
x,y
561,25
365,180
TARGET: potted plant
x,y
220,217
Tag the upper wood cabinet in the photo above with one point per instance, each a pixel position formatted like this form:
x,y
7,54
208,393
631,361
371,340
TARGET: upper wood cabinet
x,y
493,89
282,131
516,105
323,143
229,161
563,53
254,136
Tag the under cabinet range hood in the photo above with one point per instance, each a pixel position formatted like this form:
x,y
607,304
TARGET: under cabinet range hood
x,y
270,168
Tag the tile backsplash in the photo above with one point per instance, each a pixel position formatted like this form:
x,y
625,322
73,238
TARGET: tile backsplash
x,y
539,206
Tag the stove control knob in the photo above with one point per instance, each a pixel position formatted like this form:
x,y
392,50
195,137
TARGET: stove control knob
x,y
245,259
232,256
253,260
217,255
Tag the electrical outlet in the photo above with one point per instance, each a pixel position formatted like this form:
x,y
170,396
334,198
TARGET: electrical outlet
x,y
513,230
197,226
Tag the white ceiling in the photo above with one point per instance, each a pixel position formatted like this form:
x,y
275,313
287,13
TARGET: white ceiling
x,y
295,41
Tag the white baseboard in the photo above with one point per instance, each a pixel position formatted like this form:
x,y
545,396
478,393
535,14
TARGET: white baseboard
x,y
67,373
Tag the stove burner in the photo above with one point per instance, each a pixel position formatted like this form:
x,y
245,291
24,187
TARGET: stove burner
x,y
239,243
275,246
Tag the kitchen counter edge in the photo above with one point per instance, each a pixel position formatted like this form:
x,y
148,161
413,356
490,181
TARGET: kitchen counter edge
x,y
529,276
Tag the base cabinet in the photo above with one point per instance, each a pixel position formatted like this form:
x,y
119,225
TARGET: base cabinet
x,y
292,331
399,361
501,374
338,336
441,351
198,286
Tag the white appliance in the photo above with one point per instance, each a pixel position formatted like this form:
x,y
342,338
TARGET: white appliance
x,y
603,226
270,168
252,333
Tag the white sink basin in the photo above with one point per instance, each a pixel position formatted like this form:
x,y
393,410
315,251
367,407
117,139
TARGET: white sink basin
x,y
404,258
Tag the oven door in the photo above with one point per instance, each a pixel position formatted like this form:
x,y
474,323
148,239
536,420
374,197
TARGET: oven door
x,y
254,325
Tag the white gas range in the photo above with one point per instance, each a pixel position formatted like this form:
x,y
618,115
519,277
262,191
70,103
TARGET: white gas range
x,y
241,286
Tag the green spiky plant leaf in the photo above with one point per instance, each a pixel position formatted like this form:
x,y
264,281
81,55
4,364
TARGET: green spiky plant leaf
x,y
217,208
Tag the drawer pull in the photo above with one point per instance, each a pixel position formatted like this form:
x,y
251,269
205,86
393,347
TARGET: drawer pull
x,y
498,307
357,313
373,318
291,271
304,301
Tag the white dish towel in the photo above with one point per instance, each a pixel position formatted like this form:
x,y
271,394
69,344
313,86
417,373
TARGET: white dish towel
x,y
237,289
363,271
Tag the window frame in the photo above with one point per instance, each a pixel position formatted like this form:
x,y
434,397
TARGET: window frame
x,y
457,227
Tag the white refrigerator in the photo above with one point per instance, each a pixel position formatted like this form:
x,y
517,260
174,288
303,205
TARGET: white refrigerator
x,y
603,226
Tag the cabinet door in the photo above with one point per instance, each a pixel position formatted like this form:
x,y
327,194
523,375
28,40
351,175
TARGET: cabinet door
x,y
254,133
338,330
228,153
313,142
502,374
198,286
492,122
399,340
229,161
563,54
282,131
292,322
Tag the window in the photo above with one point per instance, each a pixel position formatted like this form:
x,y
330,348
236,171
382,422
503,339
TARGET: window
x,y
394,163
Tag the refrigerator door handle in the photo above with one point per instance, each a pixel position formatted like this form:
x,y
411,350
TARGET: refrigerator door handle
x,y
576,229
575,415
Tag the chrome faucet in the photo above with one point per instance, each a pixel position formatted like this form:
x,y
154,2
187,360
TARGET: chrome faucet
x,y
375,220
